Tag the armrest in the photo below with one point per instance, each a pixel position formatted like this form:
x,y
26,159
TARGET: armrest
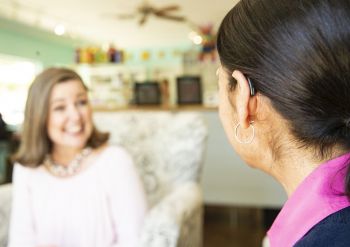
x,y
176,219
5,209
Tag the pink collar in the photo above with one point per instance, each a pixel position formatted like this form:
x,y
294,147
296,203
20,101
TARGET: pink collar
x,y
319,195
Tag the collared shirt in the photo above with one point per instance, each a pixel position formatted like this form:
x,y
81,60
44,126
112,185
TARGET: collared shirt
x,y
318,196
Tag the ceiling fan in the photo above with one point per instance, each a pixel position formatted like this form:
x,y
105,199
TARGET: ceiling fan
x,y
145,9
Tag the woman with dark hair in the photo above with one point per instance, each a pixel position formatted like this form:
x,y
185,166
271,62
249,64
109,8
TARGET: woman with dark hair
x,y
284,86
70,187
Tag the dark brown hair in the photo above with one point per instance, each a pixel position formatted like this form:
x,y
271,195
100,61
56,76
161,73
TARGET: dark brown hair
x,y
35,143
297,53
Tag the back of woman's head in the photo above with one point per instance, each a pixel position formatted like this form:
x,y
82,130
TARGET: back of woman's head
x,y
297,53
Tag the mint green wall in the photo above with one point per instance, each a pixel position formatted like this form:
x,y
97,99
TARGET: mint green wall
x,y
19,40
171,55
29,47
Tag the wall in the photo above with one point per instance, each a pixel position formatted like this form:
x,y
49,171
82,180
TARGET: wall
x,y
16,39
227,180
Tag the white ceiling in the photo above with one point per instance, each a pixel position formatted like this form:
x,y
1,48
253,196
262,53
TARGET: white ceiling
x,y
87,19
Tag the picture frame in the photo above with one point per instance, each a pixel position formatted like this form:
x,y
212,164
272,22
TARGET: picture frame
x,y
189,90
147,93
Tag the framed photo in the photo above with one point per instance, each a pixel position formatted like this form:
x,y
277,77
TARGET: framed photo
x,y
147,93
189,90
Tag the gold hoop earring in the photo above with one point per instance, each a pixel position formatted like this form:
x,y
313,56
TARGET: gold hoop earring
x,y
246,141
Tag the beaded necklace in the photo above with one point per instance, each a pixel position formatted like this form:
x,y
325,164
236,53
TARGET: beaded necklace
x,y
71,169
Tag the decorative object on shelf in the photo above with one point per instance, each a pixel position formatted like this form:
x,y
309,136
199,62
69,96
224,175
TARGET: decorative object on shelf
x,y
115,55
145,9
107,90
147,93
83,55
100,56
189,90
164,89
208,42
94,54
111,53
145,55
161,54
119,56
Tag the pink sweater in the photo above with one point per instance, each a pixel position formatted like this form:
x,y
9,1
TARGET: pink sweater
x,y
103,205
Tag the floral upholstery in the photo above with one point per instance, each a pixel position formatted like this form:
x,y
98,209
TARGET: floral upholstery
x,y
168,149
5,207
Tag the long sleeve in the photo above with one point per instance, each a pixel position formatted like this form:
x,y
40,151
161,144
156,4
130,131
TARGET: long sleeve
x,y
127,199
21,223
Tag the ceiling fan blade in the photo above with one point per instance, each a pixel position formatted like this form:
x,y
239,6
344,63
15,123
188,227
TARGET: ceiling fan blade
x,y
125,16
143,19
172,17
162,11
119,16
168,8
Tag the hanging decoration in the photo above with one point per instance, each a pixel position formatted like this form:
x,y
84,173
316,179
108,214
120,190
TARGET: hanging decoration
x,y
145,55
161,54
208,42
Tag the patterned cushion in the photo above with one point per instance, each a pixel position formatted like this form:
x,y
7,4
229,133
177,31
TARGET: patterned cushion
x,y
168,150
176,220
166,147
5,207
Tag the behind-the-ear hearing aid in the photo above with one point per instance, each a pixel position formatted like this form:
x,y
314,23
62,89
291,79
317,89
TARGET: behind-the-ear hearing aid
x,y
251,87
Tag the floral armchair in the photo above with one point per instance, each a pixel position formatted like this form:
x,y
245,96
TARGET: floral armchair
x,y
168,149
5,206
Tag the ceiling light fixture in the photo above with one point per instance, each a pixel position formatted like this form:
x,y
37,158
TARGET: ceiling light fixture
x,y
195,38
198,40
59,30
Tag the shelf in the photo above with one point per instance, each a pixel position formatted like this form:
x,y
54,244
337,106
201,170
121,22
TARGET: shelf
x,y
157,108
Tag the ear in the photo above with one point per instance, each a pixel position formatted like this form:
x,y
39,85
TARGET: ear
x,y
245,103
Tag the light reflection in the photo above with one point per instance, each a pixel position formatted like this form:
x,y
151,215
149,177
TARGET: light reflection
x,y
16,74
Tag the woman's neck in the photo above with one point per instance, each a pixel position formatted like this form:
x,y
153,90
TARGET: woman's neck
x,y
64,155
295,166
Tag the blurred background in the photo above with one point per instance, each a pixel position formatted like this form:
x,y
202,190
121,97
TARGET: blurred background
x,y
137,55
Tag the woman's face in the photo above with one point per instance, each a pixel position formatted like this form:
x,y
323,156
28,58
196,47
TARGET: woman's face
x,y
70,115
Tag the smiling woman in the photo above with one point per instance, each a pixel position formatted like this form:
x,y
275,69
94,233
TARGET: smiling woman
x,y
57,100
65,166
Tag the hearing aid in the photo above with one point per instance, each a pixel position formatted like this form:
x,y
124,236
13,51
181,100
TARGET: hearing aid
x,y
251,87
